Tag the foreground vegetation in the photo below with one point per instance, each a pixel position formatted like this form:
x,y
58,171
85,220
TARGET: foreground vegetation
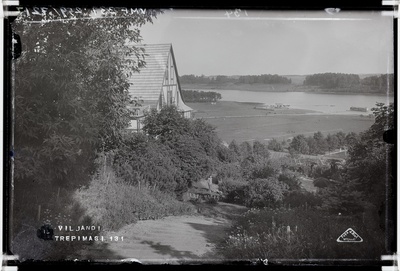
x,y
357,195
299,233
70,105
113,203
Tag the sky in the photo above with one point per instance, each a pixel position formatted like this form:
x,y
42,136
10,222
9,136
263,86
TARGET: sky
x,y
217,42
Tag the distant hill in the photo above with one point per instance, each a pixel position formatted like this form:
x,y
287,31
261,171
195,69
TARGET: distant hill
x,y
321,82
350,83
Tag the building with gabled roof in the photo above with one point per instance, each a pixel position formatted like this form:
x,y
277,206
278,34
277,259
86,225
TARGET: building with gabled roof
x,y
203,190
156,85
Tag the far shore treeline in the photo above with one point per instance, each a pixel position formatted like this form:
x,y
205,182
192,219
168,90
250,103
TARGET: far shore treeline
x,y
197,96
246,79
320,82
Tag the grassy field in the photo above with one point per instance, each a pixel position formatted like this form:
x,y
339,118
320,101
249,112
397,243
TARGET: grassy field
x,y
241,122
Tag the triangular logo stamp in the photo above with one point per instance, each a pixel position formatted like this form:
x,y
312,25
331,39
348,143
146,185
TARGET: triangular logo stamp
x,y
349,236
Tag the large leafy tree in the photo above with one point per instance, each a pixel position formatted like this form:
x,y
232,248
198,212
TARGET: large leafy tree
x,y
299,145
275,145
264,192
260,149
146,163
370,161
195,147
70,87
321,143
71,91
165,124
235,148
367,178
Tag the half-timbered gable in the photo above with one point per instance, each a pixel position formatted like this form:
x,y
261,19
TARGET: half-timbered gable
x,y
156,85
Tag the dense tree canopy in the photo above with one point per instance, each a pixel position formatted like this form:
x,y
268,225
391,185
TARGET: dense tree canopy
x,y
299,145
70,95
383,83
196,96
332,80
70,91
342,82
172,152
367,178
264,192
318,143
244,79
274,145
264,79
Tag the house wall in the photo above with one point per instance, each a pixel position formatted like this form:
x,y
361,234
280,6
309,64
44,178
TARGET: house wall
x,y
136,124
170,90
170,93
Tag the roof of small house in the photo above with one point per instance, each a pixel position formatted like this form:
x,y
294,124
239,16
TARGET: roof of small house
x,y
203,184
199,191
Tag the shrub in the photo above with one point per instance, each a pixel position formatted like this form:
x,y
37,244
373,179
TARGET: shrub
x,y
311,234
302,198
233,190
212,201
290,179
264,192
113,203
274,145
321,182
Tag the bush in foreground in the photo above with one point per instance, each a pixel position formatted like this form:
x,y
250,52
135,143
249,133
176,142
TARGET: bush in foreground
x,y
301,234
112,203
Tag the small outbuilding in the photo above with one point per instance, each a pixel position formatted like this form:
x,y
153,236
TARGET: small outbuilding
x,y
203,190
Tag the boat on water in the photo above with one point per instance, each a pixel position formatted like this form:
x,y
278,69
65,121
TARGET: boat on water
x,y
272,107
360,109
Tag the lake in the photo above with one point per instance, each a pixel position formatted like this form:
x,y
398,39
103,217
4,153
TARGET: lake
x,y
326,103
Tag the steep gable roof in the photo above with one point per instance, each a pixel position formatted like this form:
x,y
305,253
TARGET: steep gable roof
x,y
147,83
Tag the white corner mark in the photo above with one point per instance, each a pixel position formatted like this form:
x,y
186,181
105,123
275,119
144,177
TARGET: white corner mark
x,y
349,235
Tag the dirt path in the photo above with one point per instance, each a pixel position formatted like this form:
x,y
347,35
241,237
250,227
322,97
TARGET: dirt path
x,y
173,239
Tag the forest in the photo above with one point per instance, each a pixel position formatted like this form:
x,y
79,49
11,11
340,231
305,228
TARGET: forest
x,y
319,144
341,82
325,82
244,79
197,96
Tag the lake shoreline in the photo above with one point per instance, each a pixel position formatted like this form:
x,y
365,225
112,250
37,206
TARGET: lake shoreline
x,y
275,88
254,109
240,121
